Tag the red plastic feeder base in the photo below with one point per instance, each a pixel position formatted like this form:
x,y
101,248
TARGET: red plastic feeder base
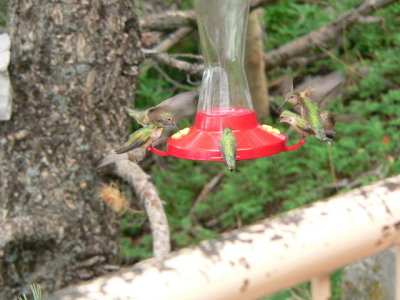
x,y
202,141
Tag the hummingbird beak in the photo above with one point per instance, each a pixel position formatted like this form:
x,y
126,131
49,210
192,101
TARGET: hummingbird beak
x,y
280,106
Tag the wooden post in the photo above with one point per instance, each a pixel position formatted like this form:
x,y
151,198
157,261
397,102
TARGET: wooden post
x,y
321,287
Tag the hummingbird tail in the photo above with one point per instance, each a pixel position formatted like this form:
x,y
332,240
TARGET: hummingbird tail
x,y
330,141
130,147
280,106
112,158
330,133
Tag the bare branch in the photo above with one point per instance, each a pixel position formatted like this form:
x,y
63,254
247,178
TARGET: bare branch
x,y
169,79
180,65
206,190
172,39
170,20
148,195
319,37
286,54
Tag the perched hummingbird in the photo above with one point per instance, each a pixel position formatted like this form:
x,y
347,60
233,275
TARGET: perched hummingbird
x,y
135,148
180,106
303,127
309,112
228,147
142,137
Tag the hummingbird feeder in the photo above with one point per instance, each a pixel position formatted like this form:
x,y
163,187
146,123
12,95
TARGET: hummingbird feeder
x,y
224,99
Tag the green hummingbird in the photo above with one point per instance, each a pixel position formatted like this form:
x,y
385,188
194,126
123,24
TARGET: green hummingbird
x,y
303,127
135,148
142,137
178,107
309,112
228,148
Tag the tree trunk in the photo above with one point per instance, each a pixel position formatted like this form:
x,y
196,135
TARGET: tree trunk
x,y
254,64
73,68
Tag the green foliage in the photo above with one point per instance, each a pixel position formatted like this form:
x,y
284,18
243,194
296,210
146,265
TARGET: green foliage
x,y
36,293
3,13
364,150
286,21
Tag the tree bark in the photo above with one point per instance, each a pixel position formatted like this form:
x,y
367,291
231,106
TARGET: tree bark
x,y
73,69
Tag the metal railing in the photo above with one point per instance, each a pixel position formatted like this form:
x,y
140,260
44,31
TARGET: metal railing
x,y
262,259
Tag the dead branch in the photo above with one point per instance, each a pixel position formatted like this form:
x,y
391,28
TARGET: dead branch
x,y
172,39
301,61
206,190
285,54
169,79
171,20
168,20
319,37
187,55
148,195
179,65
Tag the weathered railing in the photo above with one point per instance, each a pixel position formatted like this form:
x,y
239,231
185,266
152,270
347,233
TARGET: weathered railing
x,y
258,260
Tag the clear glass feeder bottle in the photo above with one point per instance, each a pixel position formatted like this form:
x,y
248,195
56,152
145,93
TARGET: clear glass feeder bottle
x,y
224,99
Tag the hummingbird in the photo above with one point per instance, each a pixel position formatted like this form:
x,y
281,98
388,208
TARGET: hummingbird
x,y
142,137
228,148
309,111
303,127
182,106
135,148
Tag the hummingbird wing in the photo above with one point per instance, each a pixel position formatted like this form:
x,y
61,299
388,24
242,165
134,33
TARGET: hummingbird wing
x,y
287,87
324,88
138,115
328,120
136,139
288,82
182,106
302,126
328,97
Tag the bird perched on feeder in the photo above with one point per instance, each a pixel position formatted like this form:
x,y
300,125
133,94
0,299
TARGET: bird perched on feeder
x,y
309,112
135,148
180,106
228,148
143,137
303,127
